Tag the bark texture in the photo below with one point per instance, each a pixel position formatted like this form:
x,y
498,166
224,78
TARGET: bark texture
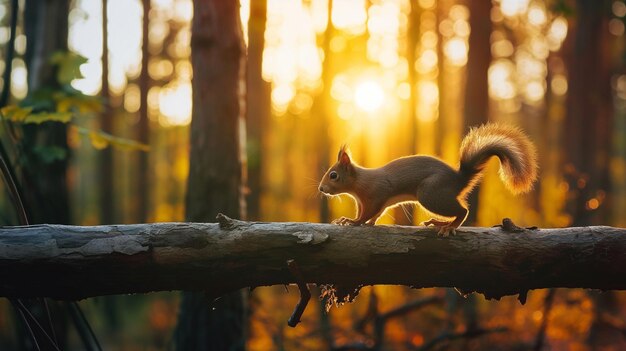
x,y
46,27
71,262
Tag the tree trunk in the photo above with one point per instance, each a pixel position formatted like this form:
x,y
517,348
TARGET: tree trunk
x,y
72,262
404,214
216,163
46,27
258,105
588,130
47,198
321,109
143,125
588,124
476,105
107,189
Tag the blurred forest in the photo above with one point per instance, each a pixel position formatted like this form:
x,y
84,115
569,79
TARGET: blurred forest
x,y
93,138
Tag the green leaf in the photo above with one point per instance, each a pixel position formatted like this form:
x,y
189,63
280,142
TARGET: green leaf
x,y
15,113
101,140
24,115
38,118
98,141
68,66
49,154
80,103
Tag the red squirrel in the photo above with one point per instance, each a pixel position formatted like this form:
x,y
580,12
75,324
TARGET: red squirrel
x,y
428,181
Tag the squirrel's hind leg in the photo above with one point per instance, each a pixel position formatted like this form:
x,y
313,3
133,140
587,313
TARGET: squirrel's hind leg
x,y
439,201
450,228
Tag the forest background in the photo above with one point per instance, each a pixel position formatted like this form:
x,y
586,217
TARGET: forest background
x,y
99,139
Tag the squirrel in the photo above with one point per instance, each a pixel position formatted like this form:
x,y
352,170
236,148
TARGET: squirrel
x,y
430,182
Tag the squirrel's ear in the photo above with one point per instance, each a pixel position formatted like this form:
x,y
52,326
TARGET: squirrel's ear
x,y
343,156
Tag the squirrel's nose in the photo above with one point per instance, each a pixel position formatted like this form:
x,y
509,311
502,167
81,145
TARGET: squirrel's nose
x,y
321,188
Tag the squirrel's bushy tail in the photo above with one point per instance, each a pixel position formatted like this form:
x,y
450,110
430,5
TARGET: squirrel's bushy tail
x,y
518,158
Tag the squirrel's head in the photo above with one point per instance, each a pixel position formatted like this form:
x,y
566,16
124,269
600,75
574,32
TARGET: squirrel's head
x,y
340,177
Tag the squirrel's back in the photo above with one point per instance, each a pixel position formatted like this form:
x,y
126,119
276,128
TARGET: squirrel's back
x,y
517,154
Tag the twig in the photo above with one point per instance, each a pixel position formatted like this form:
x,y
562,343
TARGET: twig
x,y
83,327
305,294
410,306
47,308
547,307
23,308
381,319
469,334
508,226
30,330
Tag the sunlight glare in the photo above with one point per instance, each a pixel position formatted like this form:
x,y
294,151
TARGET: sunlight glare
x,y
183,10
349,16
511,8
456,51
85,38
501,81
291,58
124,42
404,91
340,89
19,76
534,91
557,33
132,100
175,104
536,15
281,96
427,61
244,15
369,96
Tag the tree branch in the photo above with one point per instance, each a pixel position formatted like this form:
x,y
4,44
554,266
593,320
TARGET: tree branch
x,y
305,294
72,262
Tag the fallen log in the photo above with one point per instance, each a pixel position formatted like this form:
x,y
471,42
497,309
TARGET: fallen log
x,y
74,262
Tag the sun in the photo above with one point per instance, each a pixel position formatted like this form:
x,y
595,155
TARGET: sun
x,y
369,96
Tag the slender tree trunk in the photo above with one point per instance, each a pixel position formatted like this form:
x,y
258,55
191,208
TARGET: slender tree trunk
x,y
106,157
217,163
476,105
143,126
258,105
321,106
441,11
404,215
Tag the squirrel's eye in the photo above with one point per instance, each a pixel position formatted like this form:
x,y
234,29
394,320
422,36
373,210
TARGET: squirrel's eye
x,y
333,175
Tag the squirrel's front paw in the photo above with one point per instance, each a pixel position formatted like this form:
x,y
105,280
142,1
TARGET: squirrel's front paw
x,y
344,221
446,230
